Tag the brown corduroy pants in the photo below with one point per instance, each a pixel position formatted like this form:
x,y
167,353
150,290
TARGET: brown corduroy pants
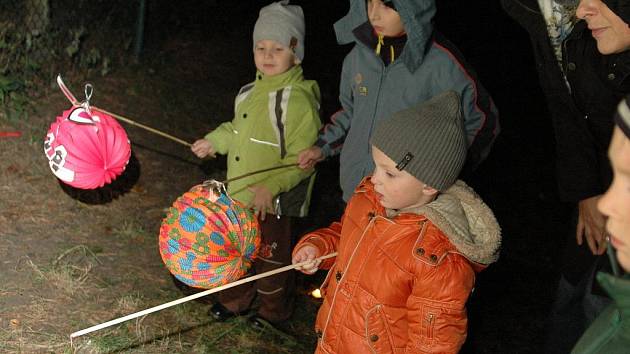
x,y
276,293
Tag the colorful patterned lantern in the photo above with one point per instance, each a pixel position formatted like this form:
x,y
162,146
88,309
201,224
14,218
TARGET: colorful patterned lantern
x,y
208,239
86,149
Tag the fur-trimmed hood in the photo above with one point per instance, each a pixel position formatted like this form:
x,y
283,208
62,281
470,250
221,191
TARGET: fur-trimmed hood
x,y
467,221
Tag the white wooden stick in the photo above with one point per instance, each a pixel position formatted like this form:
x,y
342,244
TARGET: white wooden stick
x,y
194,296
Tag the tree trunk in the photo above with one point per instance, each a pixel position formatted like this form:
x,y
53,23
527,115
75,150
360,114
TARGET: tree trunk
x,y
37,16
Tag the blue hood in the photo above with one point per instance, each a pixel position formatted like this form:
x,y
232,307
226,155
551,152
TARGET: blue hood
x,y
416,15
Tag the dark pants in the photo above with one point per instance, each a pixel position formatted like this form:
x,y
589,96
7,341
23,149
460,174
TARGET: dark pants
x,y
579,299
276,293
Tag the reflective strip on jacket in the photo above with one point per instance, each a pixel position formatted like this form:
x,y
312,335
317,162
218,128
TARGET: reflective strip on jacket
x,y
274,119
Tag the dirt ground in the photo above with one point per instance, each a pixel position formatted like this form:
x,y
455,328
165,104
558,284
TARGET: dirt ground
x,y
71,259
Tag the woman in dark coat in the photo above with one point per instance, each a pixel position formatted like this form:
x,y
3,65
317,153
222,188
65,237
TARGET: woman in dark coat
x,y
582,88
610,332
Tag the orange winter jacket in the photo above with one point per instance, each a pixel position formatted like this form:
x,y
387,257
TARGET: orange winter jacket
x,y
400,281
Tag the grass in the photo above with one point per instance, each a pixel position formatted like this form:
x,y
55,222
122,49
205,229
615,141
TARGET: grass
x,y
129,303
71,264
187,329
69,272
16,339
132,230
210,337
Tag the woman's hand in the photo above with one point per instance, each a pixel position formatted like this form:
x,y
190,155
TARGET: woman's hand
x,y
591,225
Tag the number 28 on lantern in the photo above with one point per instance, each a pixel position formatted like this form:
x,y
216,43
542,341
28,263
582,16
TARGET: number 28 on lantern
x,y
57,158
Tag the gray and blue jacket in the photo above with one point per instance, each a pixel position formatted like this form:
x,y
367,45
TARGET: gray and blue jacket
x,y
371,91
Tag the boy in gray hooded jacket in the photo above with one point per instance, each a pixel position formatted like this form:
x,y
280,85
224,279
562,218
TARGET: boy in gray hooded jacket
x,y
398,61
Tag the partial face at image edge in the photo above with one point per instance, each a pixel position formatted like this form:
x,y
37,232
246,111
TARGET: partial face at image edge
x,y
609,30
615,203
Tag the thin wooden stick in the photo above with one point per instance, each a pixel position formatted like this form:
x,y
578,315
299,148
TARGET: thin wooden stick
x,y
76,103
195,296
257,172
152,130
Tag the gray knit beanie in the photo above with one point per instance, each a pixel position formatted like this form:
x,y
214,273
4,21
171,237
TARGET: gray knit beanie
x,y
428,140
282,23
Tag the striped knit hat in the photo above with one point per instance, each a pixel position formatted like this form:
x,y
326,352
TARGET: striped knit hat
x,y
622,117
428,140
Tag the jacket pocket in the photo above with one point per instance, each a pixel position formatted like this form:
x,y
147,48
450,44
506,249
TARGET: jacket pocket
x,y
377,331
429,317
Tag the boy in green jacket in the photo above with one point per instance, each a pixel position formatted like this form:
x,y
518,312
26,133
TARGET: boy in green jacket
x,y
276,116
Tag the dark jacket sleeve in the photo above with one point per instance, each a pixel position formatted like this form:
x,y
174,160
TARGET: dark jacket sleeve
x,y
481,117
582,169
333,134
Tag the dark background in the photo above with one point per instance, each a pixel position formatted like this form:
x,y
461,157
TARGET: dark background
x,y
512,297
195,56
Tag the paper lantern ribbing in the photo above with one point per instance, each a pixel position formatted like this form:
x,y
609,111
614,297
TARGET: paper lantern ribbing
x,y
207,239
86,150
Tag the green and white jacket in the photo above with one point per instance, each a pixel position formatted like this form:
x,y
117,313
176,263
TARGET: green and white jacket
x,y
275,117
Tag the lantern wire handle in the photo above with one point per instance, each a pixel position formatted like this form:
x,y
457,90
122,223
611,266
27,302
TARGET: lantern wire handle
x,y
88,90
215,186
219,187
76,103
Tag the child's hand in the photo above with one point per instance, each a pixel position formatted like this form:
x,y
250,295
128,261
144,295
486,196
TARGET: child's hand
x,y
262,202
307,158
202,148
307,253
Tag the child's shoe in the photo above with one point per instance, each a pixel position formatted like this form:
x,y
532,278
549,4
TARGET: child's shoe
x,y
259,323
220,313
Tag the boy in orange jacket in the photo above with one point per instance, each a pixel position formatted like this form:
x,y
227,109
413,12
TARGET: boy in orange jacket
x,y
409,243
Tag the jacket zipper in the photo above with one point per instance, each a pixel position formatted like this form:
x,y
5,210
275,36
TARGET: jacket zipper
x,y
430,326
332,304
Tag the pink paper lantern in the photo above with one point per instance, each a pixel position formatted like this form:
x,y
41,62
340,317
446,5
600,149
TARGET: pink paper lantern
x,y
86,151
